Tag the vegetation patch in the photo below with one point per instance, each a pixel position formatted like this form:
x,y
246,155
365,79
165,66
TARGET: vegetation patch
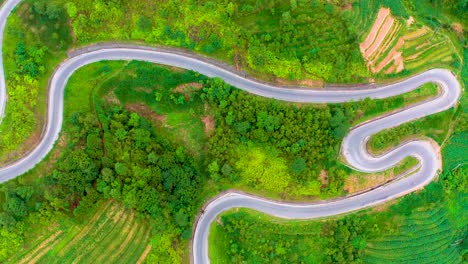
x,y
113,233
391,48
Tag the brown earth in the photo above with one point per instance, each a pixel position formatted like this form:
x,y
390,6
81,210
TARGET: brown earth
x,y
386,44
209,123
410,21
458,28
394,55
381,16
386,27
306,82
146,112
187,87
111,98
357,183
323,177
144,255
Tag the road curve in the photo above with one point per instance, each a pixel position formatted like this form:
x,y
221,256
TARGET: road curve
x,y
353,146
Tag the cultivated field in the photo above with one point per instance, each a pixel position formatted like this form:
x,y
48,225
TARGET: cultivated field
x,y
426,237
393,45
112,235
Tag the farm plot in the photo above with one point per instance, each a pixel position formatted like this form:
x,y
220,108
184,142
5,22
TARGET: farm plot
x,y
113,235
427,236
393,45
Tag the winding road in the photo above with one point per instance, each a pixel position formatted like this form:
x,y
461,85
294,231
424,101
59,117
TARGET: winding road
x,y
353,146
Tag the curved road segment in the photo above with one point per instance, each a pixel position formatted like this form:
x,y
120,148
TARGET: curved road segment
x,y
353,147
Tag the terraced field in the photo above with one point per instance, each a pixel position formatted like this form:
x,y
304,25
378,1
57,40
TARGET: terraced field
x,y
455,151
427,236
392,45
112,235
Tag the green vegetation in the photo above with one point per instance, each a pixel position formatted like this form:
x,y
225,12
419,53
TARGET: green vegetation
x,y
434,126
160,142
424,227
435,231
268,39
113,156
34,40
112,233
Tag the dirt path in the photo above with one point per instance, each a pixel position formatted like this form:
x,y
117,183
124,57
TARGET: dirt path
x,y
144,255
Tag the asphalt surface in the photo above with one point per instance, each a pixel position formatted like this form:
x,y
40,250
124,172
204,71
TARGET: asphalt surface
x,y
353,147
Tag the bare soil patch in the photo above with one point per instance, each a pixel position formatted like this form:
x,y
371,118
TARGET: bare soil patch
x,y
356,183
146,112
323,177
306,83
187,88
387,42
209,123
381,16
394,55
111,98
458,28
410,21
144,255
386,27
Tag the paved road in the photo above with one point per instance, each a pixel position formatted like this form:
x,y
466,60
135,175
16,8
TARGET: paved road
x,y
353,147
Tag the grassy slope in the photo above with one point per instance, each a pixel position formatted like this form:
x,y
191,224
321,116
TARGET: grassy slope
x,y
112,233
429,233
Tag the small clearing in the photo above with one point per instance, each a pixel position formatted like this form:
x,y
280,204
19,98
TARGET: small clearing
x,y
360,182
187,88
458,28
111,98
323,177
209,123
305,82
146,112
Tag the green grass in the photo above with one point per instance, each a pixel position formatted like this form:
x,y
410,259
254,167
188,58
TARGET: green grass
x,y
428,236
455,151
364,15
24,114
262,237
138,82
368,109
79,93
435,126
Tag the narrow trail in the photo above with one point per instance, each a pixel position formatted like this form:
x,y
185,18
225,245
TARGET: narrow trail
x,y
353,147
